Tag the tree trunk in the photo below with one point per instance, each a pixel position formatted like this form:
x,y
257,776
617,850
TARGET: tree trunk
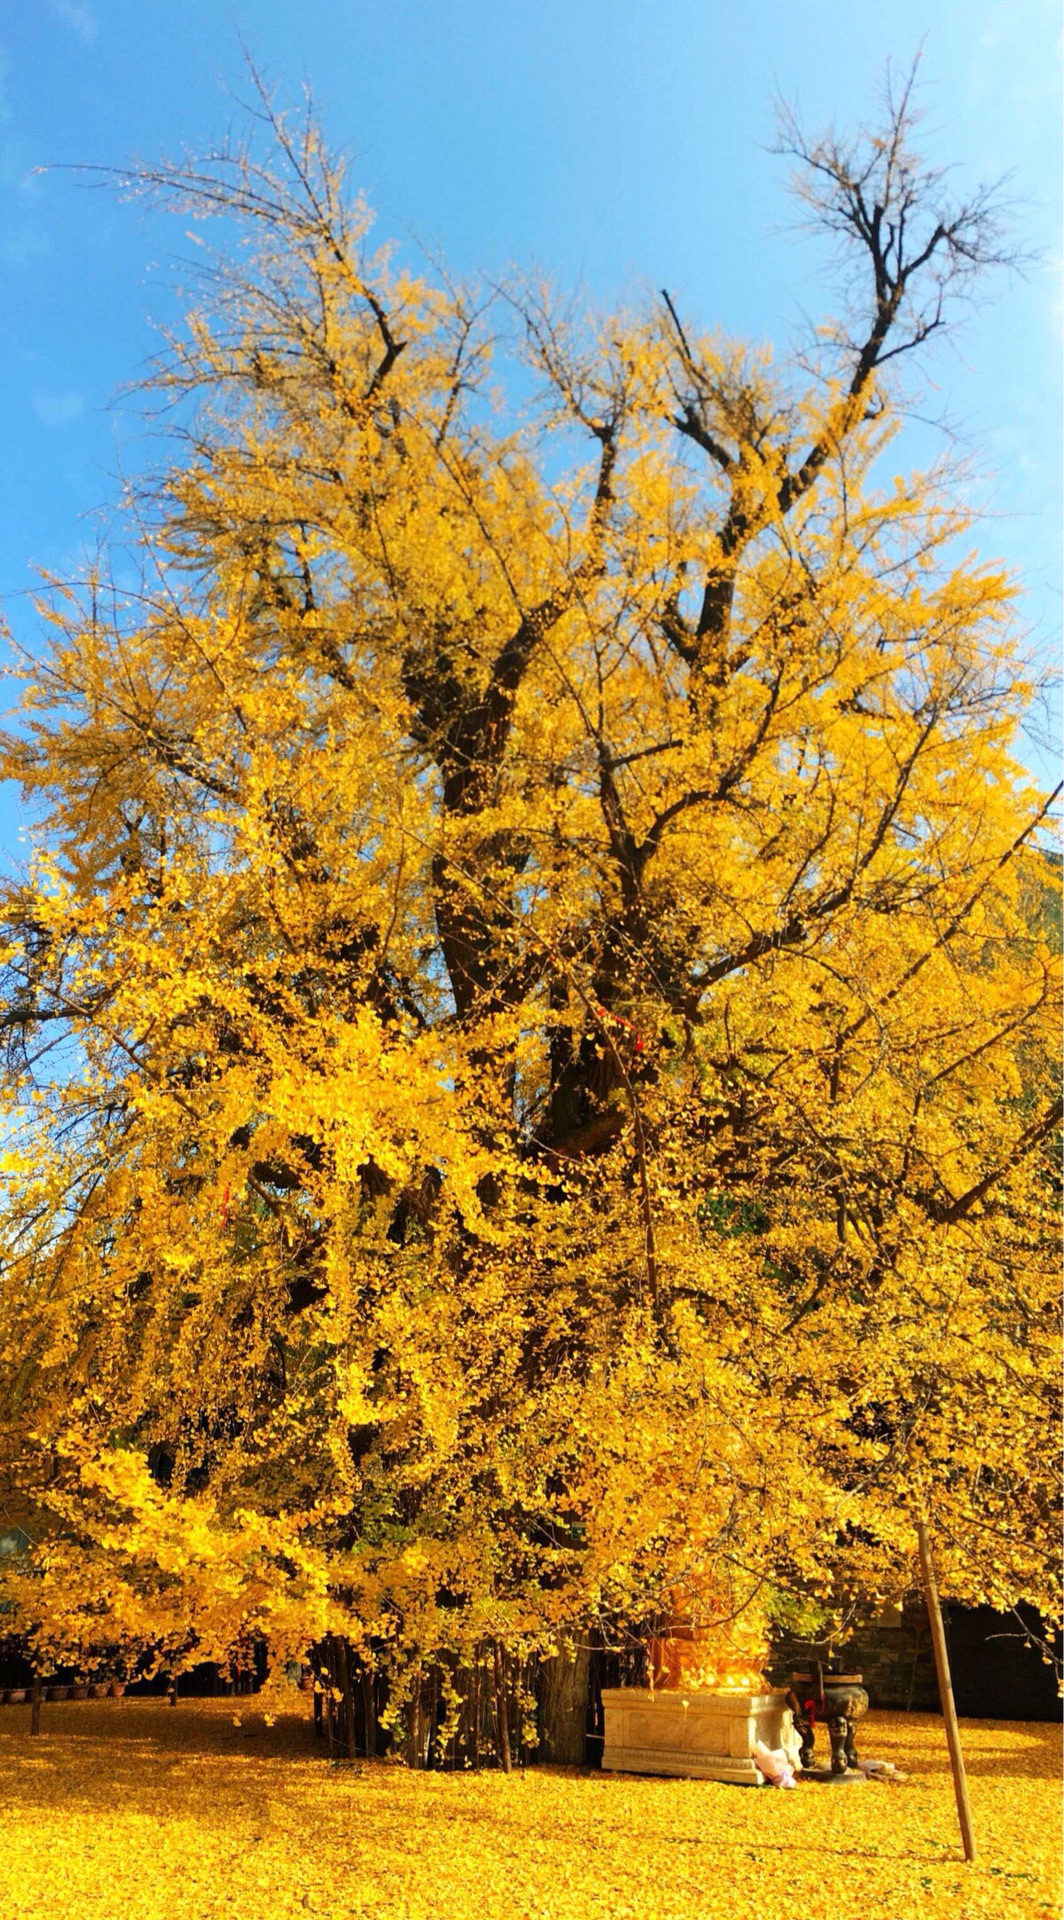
x,y
369,1710
35,1712
349,1701
563,1696
419,1726
502,1709
330,1704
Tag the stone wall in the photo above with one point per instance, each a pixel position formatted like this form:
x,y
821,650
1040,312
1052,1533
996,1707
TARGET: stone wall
x,y
893,1652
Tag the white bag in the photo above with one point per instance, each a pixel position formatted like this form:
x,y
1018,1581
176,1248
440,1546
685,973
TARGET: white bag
x,y
774,1764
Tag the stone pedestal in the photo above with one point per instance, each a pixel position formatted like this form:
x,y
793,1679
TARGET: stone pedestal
x,y
701,1734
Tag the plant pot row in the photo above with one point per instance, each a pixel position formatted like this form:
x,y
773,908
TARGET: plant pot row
x,y
80,1690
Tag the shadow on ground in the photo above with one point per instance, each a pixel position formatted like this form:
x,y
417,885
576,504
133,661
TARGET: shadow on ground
x,y
161,1759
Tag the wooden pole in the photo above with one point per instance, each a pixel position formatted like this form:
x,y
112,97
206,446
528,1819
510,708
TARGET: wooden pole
x,y
945,1691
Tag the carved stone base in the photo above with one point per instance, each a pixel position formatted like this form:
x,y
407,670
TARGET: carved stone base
x,y
703,1735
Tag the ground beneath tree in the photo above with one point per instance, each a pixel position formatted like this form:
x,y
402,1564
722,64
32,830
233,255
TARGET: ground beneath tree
x,y
128,1810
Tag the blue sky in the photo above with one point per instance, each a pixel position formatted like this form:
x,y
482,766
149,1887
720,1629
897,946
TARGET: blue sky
x,y
624,141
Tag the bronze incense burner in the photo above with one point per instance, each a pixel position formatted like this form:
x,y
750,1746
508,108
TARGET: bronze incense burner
x,y
839,1700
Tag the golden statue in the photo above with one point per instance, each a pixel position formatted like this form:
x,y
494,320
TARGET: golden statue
x,y
705,1645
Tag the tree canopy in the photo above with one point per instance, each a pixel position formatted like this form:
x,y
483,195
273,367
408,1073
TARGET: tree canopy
x,y
529,1059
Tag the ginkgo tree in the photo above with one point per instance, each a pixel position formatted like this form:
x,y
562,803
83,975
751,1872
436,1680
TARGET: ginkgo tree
x,y
529,1059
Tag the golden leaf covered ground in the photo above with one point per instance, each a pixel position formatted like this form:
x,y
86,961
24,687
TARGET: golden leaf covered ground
x,y
130,1810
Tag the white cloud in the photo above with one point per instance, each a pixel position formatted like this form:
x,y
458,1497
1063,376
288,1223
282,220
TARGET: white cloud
x,y
79,17
57,409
